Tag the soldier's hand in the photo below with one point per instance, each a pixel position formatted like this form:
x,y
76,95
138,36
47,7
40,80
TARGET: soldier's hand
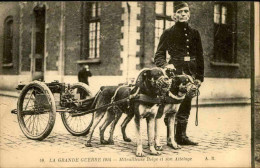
x,y
170,70
170,66
197,82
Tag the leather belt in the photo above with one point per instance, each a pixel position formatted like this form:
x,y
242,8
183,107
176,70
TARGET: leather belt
x,y
186,59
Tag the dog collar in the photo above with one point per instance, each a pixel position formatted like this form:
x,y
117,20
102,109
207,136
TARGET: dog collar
x,y
176,97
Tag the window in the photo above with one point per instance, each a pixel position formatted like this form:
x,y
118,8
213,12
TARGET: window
x,y
91,45
164,12
225,32
220,14
8,42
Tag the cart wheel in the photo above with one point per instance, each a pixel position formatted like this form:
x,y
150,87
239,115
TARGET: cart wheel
x,y
78,125
36,110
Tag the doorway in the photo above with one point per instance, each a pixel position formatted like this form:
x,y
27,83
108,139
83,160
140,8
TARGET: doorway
x,y
38,43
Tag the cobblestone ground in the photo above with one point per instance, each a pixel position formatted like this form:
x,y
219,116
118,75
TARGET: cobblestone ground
x,y
223,135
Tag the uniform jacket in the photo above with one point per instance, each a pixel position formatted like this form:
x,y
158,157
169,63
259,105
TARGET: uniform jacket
x,y
83,76
181,41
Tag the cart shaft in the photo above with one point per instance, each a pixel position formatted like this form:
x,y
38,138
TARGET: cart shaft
x,y
100,108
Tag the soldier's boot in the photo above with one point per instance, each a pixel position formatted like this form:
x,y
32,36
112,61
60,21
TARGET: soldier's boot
x,y
181,137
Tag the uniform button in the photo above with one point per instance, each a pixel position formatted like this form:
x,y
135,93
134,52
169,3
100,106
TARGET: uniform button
x,y
186,34
188,53
185,29
188,46
187,40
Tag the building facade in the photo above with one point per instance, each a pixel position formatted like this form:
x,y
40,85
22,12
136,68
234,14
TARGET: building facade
x,y
49,40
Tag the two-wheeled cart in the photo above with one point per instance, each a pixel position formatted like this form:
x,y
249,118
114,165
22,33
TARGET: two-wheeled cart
x,y
38,103
37,107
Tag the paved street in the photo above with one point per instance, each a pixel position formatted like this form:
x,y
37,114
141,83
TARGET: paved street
x,y
223,133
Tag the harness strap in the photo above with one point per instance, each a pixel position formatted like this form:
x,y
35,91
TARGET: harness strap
x,y
197,109
171,99
115,107
135,94
131,96
114,96
147,99
176,97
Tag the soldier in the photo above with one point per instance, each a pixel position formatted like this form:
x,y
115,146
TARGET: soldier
x,y
83,76
183,44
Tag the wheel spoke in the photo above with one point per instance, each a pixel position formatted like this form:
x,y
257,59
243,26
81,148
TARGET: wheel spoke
x,y
39,122
27,120
78,125
37,118
35,109
33,130
30,124
28,101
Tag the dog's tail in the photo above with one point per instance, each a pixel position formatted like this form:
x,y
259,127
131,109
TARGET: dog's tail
x,y
93,105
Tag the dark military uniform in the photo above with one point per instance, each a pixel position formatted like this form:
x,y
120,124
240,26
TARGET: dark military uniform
x,y
184,46
83,77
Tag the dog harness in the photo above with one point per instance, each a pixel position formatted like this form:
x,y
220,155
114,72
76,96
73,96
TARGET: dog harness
x,y
170,99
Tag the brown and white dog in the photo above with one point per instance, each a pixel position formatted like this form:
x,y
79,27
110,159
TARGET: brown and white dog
x,y
151,83
108,95
182,85
150,86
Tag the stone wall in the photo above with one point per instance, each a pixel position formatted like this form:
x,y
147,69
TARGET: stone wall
x,y
10,9
73,33
202,19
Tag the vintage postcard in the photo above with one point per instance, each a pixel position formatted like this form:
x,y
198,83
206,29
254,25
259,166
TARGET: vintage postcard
x,y
129,84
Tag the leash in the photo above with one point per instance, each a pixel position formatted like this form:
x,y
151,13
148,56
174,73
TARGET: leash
x,y
114,96
197,108
131,96
115,107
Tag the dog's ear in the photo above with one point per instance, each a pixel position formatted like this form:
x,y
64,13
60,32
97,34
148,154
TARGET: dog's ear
x,y
190,79
175,84
176,80
147,74
184,79
170,72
